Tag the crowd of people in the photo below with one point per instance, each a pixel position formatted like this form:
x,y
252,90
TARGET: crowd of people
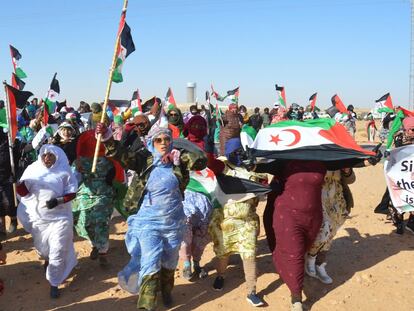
x,y
146,167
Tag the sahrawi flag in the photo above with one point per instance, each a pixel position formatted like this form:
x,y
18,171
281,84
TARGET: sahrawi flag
x,y
51,99
16,56
234,95
17,82
281,96
216,95
318,139
385,101
125,47
17,99
136,103
170,100
222,189
337,102
312,101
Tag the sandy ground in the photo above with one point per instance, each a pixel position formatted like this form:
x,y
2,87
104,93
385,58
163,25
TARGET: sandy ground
x,y
372,268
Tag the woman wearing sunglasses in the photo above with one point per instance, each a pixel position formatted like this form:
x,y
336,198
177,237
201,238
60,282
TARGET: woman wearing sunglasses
x,y
155,233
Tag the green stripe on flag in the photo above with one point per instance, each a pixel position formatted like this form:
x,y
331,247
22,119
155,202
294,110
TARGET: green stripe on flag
x,y
3,118
249,130
20,73
117,74
51,106
324,123
196,186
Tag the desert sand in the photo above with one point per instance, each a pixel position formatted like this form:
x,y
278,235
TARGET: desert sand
x,y
371,265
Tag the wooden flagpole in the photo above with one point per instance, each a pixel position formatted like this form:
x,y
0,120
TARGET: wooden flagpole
x,y
108,90
11,144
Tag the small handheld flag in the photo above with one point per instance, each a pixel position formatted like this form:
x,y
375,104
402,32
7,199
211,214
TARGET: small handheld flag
x,y
16,56
385,101
281,96
312,101
337,102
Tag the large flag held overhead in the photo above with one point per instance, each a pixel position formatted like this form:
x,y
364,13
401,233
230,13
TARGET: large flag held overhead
x,y
338,104
17,99
318,139
125,47
170,100
281,96
17,82
16,56
385,101
312,101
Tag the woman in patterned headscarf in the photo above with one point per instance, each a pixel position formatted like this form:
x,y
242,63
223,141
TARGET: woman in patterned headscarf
x,y
155,233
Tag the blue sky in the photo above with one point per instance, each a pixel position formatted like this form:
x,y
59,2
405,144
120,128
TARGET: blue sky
x,y
359,49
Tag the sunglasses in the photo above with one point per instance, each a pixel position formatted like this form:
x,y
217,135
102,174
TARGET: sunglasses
x,y
160,140
173,114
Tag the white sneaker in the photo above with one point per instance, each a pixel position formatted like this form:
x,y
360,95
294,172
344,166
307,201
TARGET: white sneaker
x,y
322,275
310,267
297,306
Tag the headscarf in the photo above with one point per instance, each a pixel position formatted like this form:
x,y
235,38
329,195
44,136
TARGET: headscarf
x,y
154,133
195,130
38,168
66,125
408,123
232,145
176,120
233,107
142,118
85,146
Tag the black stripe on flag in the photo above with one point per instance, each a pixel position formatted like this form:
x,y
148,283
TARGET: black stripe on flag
x,y
15,52
54,85
126,40
383,98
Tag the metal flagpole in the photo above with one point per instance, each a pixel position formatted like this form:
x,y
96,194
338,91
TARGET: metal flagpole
x,y
11,143
108,90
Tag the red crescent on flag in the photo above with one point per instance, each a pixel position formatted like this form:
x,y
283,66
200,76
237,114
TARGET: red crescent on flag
x,y
297,136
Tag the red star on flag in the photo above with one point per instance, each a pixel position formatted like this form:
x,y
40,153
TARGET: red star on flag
x,y
275,139
210,174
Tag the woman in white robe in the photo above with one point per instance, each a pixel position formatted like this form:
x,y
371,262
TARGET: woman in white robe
x,y
46,188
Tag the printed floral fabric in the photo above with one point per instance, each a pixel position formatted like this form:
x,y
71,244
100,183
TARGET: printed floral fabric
x,y
334,211
234,229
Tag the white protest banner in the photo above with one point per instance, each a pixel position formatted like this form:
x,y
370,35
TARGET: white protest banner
x,y
399,176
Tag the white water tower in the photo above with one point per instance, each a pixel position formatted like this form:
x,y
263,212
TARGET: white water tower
x,y
191,92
